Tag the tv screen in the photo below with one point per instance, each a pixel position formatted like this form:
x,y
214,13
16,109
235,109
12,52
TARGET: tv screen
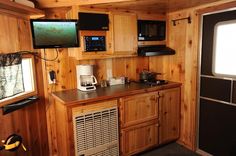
x,y
51,33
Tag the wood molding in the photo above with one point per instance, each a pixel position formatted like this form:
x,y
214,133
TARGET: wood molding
x,y
89,2
145,43
216,7
19,8
51,4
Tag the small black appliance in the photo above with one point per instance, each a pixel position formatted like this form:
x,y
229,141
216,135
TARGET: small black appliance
x,y
150,78
95,43
154,50
93,21
149,30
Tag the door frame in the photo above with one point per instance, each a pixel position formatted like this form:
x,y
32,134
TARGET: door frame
x,y
201,15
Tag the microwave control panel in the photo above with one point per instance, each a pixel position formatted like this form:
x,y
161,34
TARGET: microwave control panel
x,y
95,43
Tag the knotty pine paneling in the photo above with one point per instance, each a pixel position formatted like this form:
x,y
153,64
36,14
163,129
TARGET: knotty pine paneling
x,y
65,68
171,67
130,67
29,122
153,6
8,34
183,67
100,67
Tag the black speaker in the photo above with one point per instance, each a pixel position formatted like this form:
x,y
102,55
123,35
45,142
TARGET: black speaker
x,y
93,21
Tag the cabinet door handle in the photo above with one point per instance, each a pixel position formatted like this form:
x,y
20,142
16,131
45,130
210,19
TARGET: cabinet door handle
x,y
157,125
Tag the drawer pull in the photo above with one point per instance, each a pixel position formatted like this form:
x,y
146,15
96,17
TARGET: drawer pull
x,y
157,125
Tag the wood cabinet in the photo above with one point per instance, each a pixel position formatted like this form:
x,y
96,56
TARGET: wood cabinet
x,y
138,138
19,9
138,122
125,33
138,108
121,39
169,108
147,117
79,52
148,120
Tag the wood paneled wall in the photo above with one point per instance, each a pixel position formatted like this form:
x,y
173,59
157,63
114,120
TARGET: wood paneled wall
x,y
65,68
183,67
29,122
130,67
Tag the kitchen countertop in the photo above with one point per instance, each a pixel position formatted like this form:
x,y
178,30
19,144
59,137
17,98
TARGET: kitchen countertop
x,y
75,96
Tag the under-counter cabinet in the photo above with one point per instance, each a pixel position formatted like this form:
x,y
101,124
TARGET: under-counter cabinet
x,y
169,111
127,119
138,108
138,122
148,120
138,138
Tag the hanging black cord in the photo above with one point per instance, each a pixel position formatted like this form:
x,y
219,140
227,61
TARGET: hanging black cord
x,y
37,56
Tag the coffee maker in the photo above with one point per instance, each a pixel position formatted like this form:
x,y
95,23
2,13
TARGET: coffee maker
x,y
85,79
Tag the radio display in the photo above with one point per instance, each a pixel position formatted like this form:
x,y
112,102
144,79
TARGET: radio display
x,y
95,43
95,38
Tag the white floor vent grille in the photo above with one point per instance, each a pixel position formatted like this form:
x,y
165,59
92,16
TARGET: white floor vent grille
x,y
96,133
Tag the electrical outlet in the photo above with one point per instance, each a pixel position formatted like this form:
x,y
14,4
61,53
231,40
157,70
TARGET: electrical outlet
x,y
51,77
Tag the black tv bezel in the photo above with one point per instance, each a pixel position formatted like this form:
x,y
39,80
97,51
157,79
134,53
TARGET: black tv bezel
x,y
77,44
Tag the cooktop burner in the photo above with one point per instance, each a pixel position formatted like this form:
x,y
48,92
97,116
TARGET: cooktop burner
x,y
155,82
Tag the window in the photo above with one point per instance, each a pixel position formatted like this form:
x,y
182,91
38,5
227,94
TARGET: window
x,y
29,82
224,49
28,74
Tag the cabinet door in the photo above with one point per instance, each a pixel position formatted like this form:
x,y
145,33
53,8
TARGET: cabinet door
x,y
125,34
169,108
139,138
138,108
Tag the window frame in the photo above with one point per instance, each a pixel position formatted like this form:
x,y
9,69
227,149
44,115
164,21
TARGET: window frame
x,y
228,76
24,95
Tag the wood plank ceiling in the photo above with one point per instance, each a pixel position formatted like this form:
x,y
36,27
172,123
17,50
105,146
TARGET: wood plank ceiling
x,y
154,6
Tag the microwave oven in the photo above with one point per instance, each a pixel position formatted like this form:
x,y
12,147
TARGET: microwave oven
x,y
150,30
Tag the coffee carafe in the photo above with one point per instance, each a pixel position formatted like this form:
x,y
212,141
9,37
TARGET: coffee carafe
x,y
85,79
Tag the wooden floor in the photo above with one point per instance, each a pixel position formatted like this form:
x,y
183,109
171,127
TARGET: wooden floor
x,y
172,149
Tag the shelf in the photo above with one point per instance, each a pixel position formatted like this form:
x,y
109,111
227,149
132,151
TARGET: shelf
x,y
18,105
19,8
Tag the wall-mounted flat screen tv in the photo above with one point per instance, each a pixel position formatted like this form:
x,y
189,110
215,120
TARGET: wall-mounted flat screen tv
x,y
54,33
